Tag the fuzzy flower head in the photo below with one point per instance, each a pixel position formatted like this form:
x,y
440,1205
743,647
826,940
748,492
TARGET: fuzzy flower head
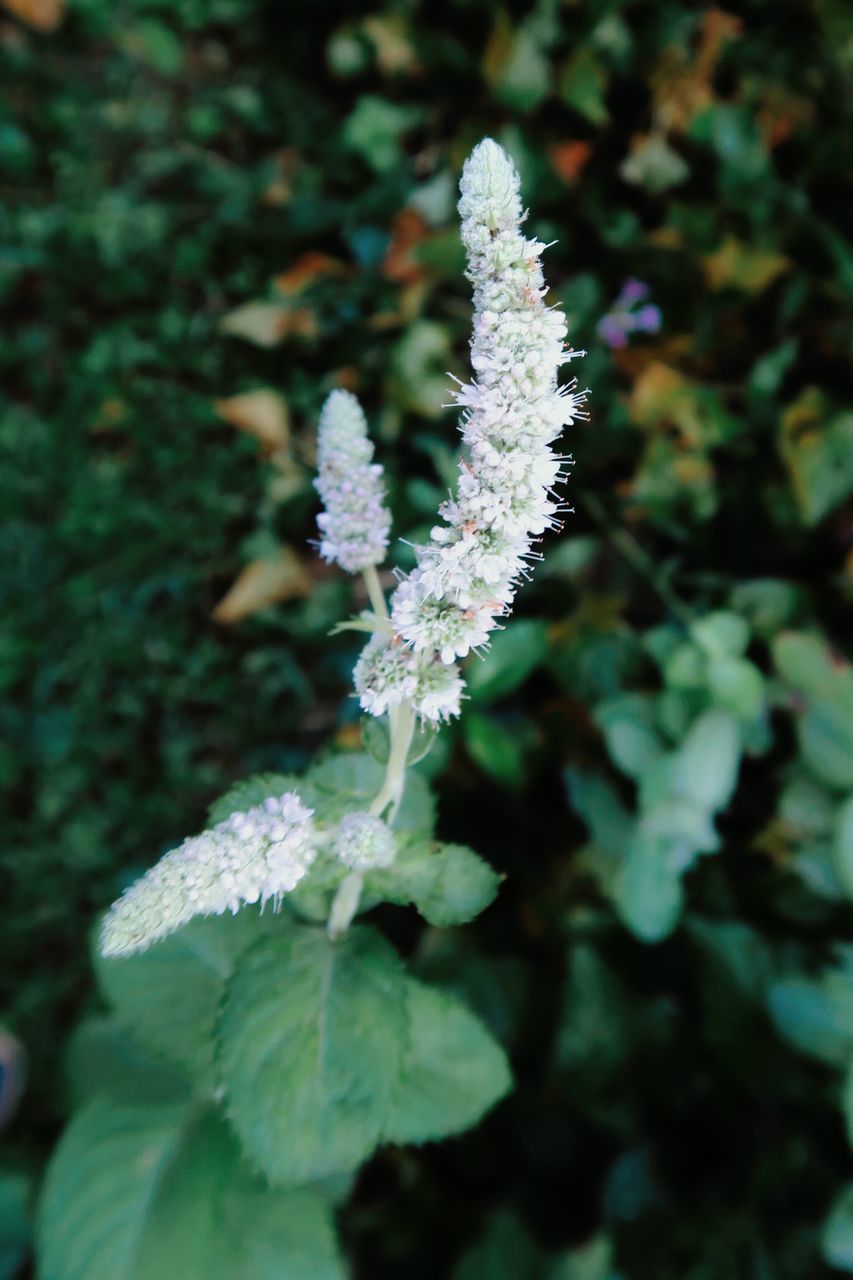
x,y
466,577
363,842
388,674
355,523
250,857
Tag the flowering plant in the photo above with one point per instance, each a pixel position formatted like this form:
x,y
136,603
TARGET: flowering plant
x,y
283,1047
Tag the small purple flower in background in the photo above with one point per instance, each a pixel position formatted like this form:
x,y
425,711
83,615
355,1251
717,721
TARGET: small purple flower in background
x,y
624,317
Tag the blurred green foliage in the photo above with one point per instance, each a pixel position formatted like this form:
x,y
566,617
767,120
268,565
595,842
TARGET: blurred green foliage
x,y
201,200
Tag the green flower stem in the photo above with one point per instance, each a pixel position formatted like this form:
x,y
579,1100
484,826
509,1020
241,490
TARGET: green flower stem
x,y
375,592
345,904
346,900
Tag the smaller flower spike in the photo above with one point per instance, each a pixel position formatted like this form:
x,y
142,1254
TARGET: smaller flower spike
x,y
389,673
355,524
363,842
250,857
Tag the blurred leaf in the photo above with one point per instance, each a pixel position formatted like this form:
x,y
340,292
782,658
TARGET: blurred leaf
x,y
494,747
15,1193
165,1193
261,584
514,653
817,448
837,1238
262,413
627,725
375,128
740,266
266,324
515,65
42,15
653,164
583,84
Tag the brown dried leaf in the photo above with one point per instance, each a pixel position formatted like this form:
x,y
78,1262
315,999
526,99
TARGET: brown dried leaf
x,y
266,324
306,269
569,158
41,15
742,266
262,583
262,413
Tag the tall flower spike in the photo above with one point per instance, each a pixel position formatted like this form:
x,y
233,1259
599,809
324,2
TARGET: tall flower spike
x,y
250,857
355,524
467,575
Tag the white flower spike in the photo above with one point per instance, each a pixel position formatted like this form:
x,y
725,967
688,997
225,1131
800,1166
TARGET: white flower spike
x,y
466,577
355,523
250,857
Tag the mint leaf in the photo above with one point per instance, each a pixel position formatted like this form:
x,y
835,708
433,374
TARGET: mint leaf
x,y
453,1072
312,1037
143,1193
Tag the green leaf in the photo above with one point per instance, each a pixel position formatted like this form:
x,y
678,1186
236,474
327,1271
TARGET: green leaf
x,y
738,686
648,893
514,653
721,634
14,1223
448,883
375,128
505,1252
312,1034
632,743
583,84
843,845
103,1058
837,1235
515,66
169,995
137,1193
707,763
593,1261
352,779
825,722
494,748
816,1017
654,164
453,1070
817,448
251,791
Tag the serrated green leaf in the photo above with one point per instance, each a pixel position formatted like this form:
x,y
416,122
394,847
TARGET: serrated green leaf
x,y
448,883
169,995
251,791
312,1033
143,1193
453,1071
352,779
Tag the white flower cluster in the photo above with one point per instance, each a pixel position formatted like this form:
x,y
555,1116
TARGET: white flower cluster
x,y
388,673
363,842
355,524
250,857
466,577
